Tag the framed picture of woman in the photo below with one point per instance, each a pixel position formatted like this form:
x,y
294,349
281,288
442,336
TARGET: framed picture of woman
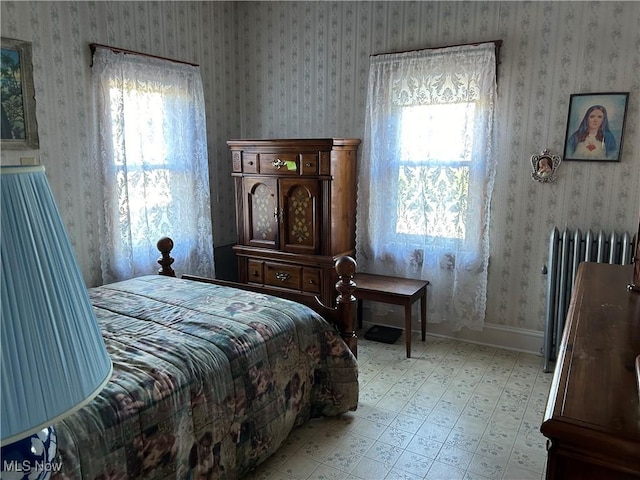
x,y
595,126
19,129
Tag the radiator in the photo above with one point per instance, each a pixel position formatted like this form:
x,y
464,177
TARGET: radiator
x,y
566,251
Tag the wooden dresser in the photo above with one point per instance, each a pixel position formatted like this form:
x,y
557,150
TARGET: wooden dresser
x,y
295,210
592,418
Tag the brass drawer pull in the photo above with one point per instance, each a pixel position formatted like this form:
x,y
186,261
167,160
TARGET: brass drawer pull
x,y
278,163
283,276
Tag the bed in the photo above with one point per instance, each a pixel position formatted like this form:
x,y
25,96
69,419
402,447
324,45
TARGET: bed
x,y
208,379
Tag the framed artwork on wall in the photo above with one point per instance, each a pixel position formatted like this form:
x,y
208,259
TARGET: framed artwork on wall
x,y
19,129
595,126
544,167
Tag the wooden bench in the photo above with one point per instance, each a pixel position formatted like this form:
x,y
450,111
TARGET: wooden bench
x,y
396,291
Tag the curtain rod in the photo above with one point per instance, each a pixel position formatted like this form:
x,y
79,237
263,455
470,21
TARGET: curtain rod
x,y
497,43
93,47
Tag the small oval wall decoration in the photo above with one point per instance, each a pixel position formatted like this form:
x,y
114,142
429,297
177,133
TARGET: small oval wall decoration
x,y
544,167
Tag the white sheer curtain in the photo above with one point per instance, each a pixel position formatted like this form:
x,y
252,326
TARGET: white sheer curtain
x,y
426,175
152,163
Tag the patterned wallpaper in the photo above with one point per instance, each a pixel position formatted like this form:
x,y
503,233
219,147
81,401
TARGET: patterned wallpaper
x,y
299,69
60,33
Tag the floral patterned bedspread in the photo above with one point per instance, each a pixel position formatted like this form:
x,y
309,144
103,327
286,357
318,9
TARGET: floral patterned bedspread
x,y
208,381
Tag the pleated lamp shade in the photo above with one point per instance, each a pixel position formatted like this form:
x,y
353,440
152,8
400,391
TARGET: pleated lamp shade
x,y
53,357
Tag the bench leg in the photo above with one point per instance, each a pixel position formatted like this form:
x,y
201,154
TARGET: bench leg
x,y
423,315
359,314
407,328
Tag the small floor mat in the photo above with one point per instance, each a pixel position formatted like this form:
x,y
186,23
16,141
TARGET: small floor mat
x,y
379,333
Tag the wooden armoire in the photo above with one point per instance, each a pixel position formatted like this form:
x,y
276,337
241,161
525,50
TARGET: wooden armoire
x,y
295,211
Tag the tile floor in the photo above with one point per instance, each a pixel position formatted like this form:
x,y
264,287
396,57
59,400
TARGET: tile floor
x,y
453,411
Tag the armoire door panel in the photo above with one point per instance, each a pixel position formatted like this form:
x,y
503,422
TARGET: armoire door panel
x,y
299,222
261,211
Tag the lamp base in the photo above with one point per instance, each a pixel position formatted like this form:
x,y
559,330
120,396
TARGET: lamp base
x,y
31,458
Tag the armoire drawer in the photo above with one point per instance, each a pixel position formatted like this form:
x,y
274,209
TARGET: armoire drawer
x,y
255,273
308,164
245,162
250,162
311,280
288,163
281,275
279,164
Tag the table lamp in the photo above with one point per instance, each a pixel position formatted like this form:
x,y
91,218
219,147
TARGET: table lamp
x,y
53,357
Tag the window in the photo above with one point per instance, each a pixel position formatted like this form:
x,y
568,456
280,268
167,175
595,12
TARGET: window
x,y
427,172
427,168
152,155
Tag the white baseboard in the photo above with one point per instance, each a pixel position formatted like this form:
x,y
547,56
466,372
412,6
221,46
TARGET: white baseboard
x,y
511,338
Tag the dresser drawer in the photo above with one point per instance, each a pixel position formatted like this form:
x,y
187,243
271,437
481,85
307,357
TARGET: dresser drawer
x,y
250,162
279,163
281,275
311,280
255,272
244,162
288,163
309,163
